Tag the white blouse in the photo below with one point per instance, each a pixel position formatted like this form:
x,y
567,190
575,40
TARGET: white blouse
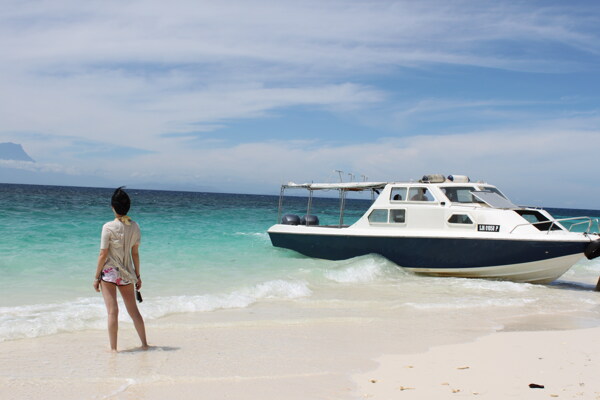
x,y
119,238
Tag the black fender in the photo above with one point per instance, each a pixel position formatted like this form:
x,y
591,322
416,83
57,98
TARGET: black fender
x,y
592,250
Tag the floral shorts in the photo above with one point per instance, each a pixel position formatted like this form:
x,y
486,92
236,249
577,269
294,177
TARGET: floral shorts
x,y
111,275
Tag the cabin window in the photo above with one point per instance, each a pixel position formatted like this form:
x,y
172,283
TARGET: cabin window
x,y
460,219
538,220
398,194
398,216
378,216
420,194
460,194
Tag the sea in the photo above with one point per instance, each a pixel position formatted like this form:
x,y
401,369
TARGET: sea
x,y
209,252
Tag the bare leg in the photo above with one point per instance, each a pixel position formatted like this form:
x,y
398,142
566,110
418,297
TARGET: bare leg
x,y
109,292
128,295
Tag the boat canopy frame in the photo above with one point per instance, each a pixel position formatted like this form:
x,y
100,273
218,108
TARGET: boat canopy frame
x,y
342,187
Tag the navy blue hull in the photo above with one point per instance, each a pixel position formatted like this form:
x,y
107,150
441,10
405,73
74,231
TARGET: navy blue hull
x,y
443,253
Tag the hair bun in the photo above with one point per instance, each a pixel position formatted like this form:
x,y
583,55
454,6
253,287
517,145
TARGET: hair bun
x,y
120,201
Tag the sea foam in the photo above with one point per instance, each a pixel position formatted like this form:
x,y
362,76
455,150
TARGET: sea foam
x,y
362,270
90,313
493,286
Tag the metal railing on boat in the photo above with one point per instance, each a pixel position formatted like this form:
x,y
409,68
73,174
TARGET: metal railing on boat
x,y
585,220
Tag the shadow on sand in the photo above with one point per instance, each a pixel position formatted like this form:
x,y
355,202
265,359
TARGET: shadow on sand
x,y
150,349
577,286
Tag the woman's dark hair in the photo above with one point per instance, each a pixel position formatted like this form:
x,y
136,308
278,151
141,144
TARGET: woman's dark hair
x,y
120,201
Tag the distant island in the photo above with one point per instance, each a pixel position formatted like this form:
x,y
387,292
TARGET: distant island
x,y
13,151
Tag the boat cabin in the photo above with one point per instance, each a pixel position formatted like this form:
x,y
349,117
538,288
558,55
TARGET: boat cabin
x,y
435,202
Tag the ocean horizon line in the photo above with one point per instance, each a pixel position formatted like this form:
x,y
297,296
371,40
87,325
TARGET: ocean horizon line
x,y
275,195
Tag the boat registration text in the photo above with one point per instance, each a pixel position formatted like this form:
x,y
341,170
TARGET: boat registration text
x,y
488,228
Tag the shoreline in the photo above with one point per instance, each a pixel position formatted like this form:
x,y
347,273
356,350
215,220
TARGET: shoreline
x,y
301,350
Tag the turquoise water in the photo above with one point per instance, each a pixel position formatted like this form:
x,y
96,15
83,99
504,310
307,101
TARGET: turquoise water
x,y
203,252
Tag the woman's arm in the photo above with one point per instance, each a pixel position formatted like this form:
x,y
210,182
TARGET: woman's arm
x,y
101,261
135,256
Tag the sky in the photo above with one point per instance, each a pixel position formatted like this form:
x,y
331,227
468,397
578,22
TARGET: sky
x,y
242,96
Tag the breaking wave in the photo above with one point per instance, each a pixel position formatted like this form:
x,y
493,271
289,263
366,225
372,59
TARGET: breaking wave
x,y
89,313
363,270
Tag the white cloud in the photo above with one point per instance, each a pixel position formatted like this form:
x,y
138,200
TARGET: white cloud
x,y
37,167
108,69
540,166
337,34
146,74
548,164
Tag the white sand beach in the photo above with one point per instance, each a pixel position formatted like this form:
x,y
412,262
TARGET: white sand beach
x,y
285,350
558,364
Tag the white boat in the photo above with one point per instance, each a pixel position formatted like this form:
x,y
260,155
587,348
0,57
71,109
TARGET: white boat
x,y
443,227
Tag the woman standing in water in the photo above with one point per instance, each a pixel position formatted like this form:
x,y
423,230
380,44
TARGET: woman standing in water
x,y
119,267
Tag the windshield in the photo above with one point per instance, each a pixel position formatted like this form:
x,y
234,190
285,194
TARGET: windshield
x,y
460,194
493,190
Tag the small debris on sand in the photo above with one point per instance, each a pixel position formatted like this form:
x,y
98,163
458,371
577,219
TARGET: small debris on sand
x,y
536,386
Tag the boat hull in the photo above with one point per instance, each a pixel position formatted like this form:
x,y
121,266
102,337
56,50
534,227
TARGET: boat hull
x,y
541,272
539,261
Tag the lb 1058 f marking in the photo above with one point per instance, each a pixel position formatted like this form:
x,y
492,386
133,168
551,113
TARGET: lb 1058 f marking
x,y
488,228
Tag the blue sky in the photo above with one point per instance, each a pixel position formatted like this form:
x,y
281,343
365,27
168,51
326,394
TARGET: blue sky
x,y
241,96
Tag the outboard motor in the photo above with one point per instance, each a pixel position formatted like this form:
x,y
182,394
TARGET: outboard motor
x,y
309,220
290,219
592,250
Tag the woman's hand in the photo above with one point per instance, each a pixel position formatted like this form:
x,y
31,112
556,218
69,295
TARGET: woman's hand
x,y
138,284
101,261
